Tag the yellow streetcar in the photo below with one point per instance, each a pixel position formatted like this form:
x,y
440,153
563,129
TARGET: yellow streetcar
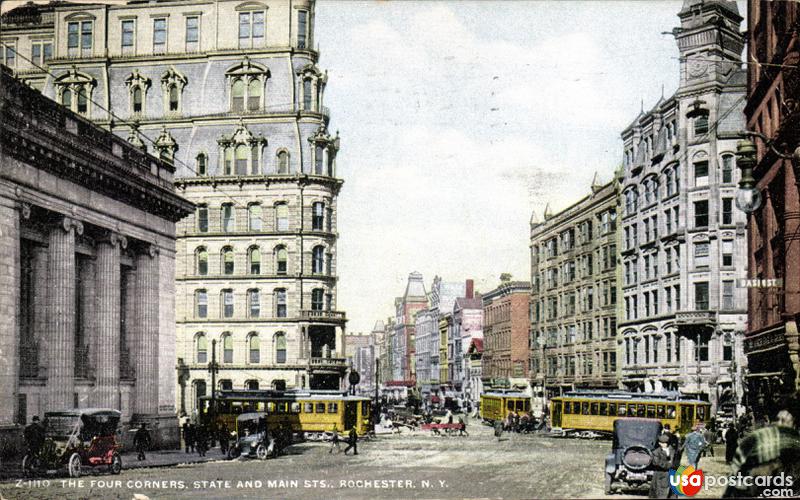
x,y
310,412
596,411
496,405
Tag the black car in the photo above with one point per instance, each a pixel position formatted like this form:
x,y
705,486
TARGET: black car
x,y
630,457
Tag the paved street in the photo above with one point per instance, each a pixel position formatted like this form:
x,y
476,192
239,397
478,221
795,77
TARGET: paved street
x,y
519,466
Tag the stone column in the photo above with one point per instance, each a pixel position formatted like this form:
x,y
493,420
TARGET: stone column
x,y
61,314
107,339
9,305
145,329
40,288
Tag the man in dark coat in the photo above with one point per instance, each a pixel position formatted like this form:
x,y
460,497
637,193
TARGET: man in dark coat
x,y
731,443
674,444
201,440
352,442
661,464
34,436
141,441
224,437
190,436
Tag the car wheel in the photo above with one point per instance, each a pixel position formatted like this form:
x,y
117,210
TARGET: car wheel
x,y
233,452
27,465
608,481
74,465
261,452
116,464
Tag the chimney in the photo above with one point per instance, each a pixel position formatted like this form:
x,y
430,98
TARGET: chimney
x,y
470,289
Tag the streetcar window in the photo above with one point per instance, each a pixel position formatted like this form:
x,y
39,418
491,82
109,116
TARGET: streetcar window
x,y
308,407
584,408
510,405
282,407
526,405
640,410
320,407
566,408
660,411
365,408
295,407
520,406
651,411
603,409
333,407
270,407
701,413
687,415
612,409
631,410
670,411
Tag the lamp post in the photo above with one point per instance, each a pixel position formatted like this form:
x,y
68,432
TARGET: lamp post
x,y
213,368
748,197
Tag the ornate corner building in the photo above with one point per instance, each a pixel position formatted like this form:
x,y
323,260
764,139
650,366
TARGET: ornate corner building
x,y
683,246
230,93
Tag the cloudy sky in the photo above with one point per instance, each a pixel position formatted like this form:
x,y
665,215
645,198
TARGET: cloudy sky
x,y
459,118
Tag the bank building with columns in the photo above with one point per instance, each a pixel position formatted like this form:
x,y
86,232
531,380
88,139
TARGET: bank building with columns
x,y
230,93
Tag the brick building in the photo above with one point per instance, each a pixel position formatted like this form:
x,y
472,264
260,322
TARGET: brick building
x,y
506,327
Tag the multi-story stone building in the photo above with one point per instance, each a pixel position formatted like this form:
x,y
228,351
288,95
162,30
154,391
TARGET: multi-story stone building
x,y
413,300
467,326
230,92
354,344
574,294
683,244
87,232
506,327
773,342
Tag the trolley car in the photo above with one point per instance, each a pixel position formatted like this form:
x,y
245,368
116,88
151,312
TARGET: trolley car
x,y
496,405
596,411
311,412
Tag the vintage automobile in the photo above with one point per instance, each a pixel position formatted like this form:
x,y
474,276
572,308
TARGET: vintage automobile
x,y
630,457
77,439
252,437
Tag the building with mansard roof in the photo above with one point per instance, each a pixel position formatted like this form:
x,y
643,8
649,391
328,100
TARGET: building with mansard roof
x,y
87,231
229,92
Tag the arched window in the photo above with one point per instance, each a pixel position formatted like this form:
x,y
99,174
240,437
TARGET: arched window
x,y
254,348
227,260
201,348
255,261
237,95
251,385
254,216
318,216
228,224
202,261
83,102
701,125
280,303
202,164
227,348
66,98
173,98
319,156
254,95
318,259
225,385
279,385
228,168
307,94
281,258
317,295
280,347
282,217
283,162
727,168
137,100
241,159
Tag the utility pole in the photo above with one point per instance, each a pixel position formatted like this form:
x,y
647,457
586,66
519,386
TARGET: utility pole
x,y
213,367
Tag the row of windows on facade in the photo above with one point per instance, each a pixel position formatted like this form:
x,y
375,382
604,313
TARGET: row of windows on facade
x,y
651,304
577,333
252,33
672,259
648,143
280,255
564,365
41,52
253,348
246,160
651,184
566,241
607,257
320,301
565,305
321,217
646,349
650,225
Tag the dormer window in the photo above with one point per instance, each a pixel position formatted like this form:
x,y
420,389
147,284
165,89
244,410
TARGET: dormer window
x,y
241,152
700,125
74,91
137,87
136,99
247,81
172,85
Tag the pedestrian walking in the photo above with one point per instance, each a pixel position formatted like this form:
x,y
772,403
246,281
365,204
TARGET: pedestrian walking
x,y
352,442
335,441
498,429
201,440
224,438
731,443
34,436
141,441
661,463
709,435
695,444
674,444
462,429
190,437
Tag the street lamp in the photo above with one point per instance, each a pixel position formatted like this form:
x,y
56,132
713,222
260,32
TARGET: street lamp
x,y
748,197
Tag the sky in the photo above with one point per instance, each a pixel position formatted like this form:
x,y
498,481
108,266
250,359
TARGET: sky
x,y
458,119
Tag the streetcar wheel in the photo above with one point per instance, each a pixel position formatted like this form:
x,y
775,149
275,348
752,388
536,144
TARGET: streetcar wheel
x,y
261,452
74,466
116,464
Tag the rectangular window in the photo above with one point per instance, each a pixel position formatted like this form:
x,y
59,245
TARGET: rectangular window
x,y
202,304
727,211
727,352
192,32
280,303
227,303
727,252
255,304
701,213
677,289
701,173
127,33
302,28
727,295
251,29
701,252
72,35
701,296
159,35
86,35
202,219
727,169
11,57
227,218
